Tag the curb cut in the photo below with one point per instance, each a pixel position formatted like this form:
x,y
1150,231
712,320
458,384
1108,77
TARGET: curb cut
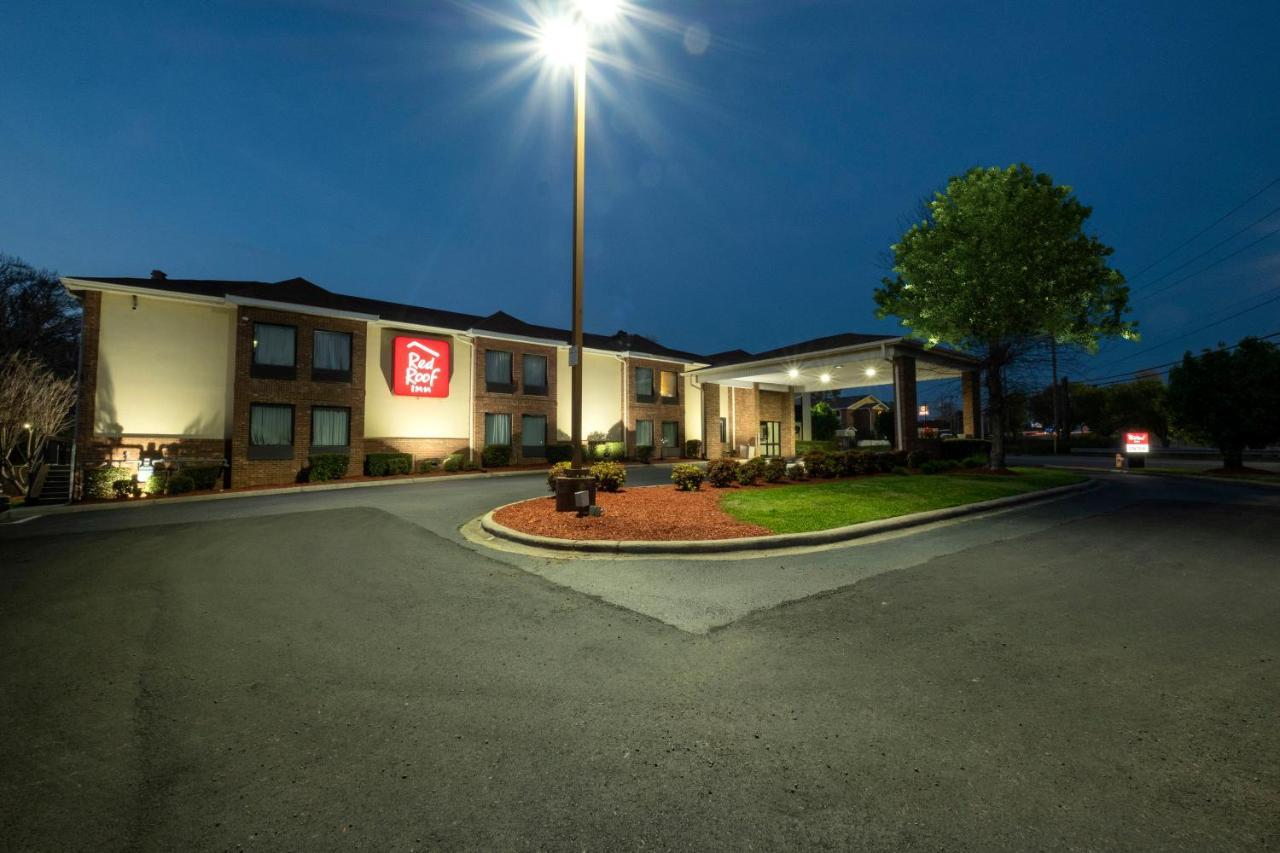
x,y
769,543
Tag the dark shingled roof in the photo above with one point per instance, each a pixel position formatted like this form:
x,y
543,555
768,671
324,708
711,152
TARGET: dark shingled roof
x,y
844,339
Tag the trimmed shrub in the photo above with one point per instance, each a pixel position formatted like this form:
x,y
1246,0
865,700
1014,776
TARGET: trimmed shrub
x,y
609,475
123,488
939,466
722,472
496,455
470,465
559,453
426,466
819,463
693,448
204,476
884,461
644,454
900,471
687,477
181,483
963,448
916,459
975,461
803,447
157,483
750,472
604,450
775,470
327,466
385,464
99,482
452,462
557,470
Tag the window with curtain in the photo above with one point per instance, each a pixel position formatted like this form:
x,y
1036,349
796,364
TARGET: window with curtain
x,y
330,426
667,385
644,385
270,431
497,371
331,355
274,351
533,435
644,433
670,434
497,429
535,374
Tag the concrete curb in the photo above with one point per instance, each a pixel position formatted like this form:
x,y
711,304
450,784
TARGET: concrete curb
x,y
768,543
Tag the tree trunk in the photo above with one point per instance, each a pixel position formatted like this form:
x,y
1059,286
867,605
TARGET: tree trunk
x,y
1233,458
996,403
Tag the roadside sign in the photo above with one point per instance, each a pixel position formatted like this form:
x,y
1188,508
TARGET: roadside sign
x,y
924,411
1137,442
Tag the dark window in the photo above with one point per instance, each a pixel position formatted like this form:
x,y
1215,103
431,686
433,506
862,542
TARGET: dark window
x,y
275,351
497,372
330,429
670,434
535,374
724,430
668,388
331,356
644,385
270,431
644,433
533,436
497,429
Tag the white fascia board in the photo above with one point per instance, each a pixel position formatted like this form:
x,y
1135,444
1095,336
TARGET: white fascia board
x,y
521,339
384,323
293,308
753,367
71,284
690,366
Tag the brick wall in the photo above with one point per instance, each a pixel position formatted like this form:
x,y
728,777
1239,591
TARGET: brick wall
x,y
656,411
778,406
302,393
745,418
419,448
711,414
515,403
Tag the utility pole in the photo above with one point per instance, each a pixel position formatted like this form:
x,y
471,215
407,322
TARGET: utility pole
x,y
1053,357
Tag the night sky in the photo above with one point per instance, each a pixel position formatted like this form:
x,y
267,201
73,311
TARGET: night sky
x,y
749,162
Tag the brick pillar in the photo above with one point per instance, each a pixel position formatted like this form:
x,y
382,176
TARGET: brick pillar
x,y
711,420
971,391
904,402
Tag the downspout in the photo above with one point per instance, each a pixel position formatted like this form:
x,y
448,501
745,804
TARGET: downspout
x,y
75,425
626,409
471,403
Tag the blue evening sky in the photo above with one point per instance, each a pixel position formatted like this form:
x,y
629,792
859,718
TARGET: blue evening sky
x,y
749,163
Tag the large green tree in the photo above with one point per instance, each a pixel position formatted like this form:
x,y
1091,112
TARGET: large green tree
x,y
1001,262
1230,399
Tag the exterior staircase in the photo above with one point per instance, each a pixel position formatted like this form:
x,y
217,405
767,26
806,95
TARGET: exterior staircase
x,y
56,488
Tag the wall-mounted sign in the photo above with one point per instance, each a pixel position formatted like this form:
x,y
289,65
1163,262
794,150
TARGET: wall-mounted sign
x,y
421,367
1137,442
924,411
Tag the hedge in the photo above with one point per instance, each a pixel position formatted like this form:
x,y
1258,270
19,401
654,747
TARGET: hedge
x,y
963,448
100,482
327,466
722,472
611,476
384,464
687,477
606,450
205,477
496,455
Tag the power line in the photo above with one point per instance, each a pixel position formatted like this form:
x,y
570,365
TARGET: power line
x,y
1205,229
1122,378
1224,240
1189,276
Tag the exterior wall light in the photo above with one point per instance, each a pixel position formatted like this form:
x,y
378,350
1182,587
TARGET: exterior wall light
x,y
871,371
793,373
826,377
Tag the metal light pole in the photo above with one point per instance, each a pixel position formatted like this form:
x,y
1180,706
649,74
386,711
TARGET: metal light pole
x,y
579,199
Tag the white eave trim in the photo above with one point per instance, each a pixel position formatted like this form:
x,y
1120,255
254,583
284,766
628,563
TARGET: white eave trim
x,y
107,287
521,339
294,308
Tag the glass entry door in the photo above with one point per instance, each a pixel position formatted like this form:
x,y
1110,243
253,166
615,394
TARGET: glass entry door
x,y
670,439
771,438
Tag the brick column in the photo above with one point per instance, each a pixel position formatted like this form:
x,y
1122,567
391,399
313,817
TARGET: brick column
x,y
711,415
904,402
971,391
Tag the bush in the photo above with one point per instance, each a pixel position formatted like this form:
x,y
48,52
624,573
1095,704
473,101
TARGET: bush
x,y
470,465
453,462
750,472
917,459
819,463
496,455
693,448
326,466
605,450
204,476
722,472
181,483
385,464
885,461
100,482
609,475
557,470
644,454
687,477
559,453
157,483
939,466
803,447
963,448
900,471
775,470
426,466
123,488
975,461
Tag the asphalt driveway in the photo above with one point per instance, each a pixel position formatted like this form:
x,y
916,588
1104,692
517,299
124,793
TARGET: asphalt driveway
x,y
342,671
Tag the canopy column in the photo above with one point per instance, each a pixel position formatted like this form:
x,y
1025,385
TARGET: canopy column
x,y
904,402
971,391
806,416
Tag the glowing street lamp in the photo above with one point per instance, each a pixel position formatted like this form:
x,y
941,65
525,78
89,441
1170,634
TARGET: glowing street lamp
x,y
565,42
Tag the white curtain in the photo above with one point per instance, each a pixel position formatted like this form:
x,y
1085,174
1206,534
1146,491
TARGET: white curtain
x,y
497,366
667,381
644,382
533,430
644,433
497,428
333,350
535,372
669,433
271,426
330,427
273,344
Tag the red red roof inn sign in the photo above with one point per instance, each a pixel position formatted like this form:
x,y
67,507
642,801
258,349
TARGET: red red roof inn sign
x,y
421,367
1137,442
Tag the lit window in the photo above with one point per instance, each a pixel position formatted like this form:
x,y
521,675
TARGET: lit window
x,y
667,385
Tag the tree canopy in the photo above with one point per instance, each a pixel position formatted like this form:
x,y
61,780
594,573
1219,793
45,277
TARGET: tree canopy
x,y
37,316
1230,399
1001,262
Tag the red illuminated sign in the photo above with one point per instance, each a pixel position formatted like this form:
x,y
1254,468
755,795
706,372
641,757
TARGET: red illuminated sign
x,y
1137,442
421,367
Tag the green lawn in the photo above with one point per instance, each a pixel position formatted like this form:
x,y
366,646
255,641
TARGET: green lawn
x,y
820,505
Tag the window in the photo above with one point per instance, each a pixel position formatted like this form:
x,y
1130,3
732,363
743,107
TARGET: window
x,y
330,428
724,430
274,351
535,374
644,433
667,386
533,435
497,429
771,438
644,385
670,434
331,356
270,431
497,372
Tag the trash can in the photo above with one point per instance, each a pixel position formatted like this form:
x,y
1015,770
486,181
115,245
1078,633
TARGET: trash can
x,y
575,480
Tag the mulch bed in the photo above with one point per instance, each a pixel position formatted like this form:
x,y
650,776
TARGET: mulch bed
x,y
658,513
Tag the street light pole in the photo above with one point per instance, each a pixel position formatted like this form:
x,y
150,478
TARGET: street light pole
x,y
579,199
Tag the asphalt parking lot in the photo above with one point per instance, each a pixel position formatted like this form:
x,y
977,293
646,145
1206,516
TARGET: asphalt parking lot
x,y
345,671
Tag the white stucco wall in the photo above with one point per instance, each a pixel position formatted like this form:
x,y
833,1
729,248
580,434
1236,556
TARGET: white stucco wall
x,y
601,396
389,416
164,369
692,410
